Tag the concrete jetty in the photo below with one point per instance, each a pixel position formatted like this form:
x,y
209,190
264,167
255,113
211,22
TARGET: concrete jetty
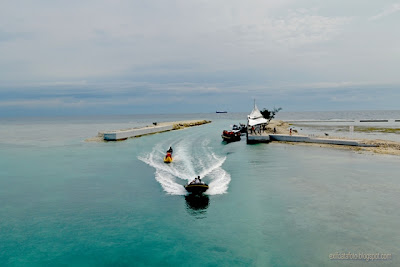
x,y
265,138
119,135
307,139
262,137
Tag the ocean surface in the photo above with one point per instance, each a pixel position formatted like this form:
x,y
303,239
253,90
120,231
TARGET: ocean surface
x,y
67,202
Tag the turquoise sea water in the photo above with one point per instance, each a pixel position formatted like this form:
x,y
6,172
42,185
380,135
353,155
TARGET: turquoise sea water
x,y
66,202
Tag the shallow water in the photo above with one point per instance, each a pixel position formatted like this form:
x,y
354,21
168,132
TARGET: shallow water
x,y
73,203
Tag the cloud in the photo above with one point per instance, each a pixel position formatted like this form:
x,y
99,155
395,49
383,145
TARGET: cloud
x,y
304,27
78,41
386,12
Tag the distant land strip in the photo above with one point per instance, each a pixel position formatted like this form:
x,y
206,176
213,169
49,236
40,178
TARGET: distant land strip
x,y
301,121
374,120
290,121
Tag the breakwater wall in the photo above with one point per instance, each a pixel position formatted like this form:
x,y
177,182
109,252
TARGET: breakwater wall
x,y
125,134
254,139
118,135
265,138
306,139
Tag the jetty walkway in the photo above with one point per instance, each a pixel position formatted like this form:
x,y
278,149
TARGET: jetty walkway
x,y
264,137
118,135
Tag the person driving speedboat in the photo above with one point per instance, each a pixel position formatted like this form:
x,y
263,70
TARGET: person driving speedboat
x,y
196,180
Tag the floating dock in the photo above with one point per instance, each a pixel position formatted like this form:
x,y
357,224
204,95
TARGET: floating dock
x,y
119,135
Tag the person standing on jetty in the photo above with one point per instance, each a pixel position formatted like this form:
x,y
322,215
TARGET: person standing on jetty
x,y
290,132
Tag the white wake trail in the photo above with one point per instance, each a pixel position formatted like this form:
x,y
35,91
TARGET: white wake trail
x,y
191,158
219,183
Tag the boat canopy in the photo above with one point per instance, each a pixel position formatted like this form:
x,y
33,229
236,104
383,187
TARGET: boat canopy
x,y
255,117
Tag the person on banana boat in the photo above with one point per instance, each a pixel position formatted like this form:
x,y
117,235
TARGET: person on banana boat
x,y
168,156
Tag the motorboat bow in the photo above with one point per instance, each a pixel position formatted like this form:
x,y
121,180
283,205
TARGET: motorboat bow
x,y
196,186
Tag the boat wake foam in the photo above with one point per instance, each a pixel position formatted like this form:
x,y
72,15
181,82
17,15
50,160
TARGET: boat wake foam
x,y
189,160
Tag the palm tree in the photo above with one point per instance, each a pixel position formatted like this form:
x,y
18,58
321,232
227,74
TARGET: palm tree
x,y
269,115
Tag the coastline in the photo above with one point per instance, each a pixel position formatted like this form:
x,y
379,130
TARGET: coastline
x,y
379,146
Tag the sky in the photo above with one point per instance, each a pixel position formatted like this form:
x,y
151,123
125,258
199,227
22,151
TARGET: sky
x,y
158,56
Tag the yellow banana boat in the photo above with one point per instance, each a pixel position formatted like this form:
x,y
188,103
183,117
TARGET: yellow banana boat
x,y
168,156
167,159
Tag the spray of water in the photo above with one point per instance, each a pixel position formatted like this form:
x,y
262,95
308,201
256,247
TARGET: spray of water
x,y
192,156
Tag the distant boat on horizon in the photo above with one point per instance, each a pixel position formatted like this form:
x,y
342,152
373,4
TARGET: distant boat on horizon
x,y
221,111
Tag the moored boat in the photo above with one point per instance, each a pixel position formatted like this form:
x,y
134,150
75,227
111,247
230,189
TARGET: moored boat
x,y
231,136
243,128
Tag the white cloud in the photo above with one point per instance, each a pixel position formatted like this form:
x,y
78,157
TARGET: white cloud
x,y
304,27
387,11
77,40
296,28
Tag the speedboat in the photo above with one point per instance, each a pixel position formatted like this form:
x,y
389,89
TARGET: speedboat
x,y
168,156
196,187
241,128
231,136
235,128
